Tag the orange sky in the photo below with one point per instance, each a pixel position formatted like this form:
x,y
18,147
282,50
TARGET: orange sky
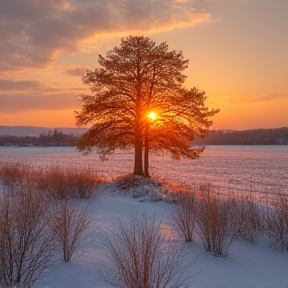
x,y
237,51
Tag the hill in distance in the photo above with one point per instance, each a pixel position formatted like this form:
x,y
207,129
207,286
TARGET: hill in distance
x,y
22,131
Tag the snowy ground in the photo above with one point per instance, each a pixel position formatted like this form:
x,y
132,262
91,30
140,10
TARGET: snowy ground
x,y
233,168
246,266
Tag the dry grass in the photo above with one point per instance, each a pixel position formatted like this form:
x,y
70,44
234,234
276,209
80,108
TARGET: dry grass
x,y
13,175
60,182
69,182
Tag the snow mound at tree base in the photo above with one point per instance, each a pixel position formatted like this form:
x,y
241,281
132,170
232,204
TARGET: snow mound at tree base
x,y
144,189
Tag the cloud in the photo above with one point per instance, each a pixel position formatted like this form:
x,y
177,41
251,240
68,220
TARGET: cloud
x,y
253,98
15,103
76,71
10,85
33,32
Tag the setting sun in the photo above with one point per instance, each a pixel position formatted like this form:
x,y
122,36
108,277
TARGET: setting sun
x,y
152,115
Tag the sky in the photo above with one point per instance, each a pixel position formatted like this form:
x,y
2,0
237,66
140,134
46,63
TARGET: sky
x,y
237,51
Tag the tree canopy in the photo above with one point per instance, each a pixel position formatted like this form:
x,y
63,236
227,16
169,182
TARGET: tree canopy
x,y
135,79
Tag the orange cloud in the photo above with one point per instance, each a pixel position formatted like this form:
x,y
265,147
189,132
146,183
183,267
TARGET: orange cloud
x,y
34,32
15,103
10,85
76,70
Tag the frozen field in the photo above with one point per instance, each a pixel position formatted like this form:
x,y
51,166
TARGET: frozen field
x,y
242,168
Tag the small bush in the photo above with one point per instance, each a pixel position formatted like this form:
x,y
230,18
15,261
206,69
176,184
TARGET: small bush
x,y
251,221
26,243
183,214
217,223
140,257
70,222
276,221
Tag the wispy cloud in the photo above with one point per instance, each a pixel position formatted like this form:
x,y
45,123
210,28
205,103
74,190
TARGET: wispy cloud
x,y
33,32
10,85
253,98
76,71
15,103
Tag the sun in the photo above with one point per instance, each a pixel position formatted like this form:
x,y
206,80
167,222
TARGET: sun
x,y
152,115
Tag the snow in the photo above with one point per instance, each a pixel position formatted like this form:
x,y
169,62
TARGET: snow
x,y
246,266
254,170
241,165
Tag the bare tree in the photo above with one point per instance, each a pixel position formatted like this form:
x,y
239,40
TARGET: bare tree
x,y
139,257
70,223
26,243
136,79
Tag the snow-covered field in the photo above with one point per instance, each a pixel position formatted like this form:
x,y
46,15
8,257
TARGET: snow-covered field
x,y
246,266
266,164
237,168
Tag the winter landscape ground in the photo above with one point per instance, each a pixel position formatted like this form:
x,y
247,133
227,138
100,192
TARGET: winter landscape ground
x,y
241,169
232,168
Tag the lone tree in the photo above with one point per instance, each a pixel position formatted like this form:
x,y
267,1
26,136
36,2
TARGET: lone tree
x,y
138,101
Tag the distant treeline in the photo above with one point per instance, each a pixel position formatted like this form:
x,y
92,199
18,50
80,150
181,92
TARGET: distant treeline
x,y
276,136
50,138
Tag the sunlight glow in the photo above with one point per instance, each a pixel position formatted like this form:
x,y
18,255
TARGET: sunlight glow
x,y
152,115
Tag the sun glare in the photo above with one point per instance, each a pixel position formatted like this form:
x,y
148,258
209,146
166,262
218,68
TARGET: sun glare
x,y
152,115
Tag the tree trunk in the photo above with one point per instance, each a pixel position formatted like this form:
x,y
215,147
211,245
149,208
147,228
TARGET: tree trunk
x,y
138,162
146,155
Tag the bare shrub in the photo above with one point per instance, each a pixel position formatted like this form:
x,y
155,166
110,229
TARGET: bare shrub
x,y
183,214
251,222
277,222
66,183
70,223
140,257
26,243
217,222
